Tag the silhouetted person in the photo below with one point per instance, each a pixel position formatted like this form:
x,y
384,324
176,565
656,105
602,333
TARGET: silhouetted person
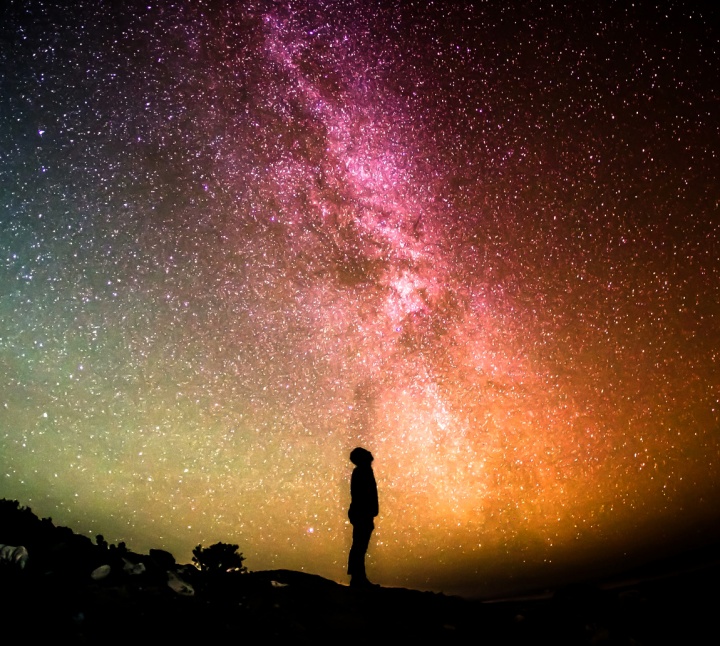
x,y
363,509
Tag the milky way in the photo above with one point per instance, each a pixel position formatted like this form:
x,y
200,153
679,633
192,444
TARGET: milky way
x,y
239,239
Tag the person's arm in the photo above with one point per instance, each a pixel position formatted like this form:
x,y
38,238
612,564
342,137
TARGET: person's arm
x,y
374,497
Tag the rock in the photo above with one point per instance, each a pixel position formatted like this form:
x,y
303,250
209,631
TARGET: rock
x,y
176,584
133,568
164,560
16,555
100,573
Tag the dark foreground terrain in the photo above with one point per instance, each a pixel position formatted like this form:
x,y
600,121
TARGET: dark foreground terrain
x,y
71,588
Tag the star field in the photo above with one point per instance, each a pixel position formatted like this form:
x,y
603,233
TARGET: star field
x,y
238,239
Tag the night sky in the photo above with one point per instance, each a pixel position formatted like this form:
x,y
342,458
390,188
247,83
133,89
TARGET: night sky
x,y
238,239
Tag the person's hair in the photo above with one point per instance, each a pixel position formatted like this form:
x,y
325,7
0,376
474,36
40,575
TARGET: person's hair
x,y
360,456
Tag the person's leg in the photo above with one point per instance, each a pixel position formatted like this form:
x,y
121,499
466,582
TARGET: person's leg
x,y
361,540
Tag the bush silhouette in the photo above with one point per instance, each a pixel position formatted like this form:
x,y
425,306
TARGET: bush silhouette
x,y
218,559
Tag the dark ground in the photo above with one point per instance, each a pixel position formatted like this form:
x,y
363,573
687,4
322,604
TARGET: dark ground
x,y
302,608
674,601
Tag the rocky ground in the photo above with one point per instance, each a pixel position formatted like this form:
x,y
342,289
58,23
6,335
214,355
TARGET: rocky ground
x,y
76,590
297,608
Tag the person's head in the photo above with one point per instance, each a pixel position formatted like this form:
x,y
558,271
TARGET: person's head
x,y
360,456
